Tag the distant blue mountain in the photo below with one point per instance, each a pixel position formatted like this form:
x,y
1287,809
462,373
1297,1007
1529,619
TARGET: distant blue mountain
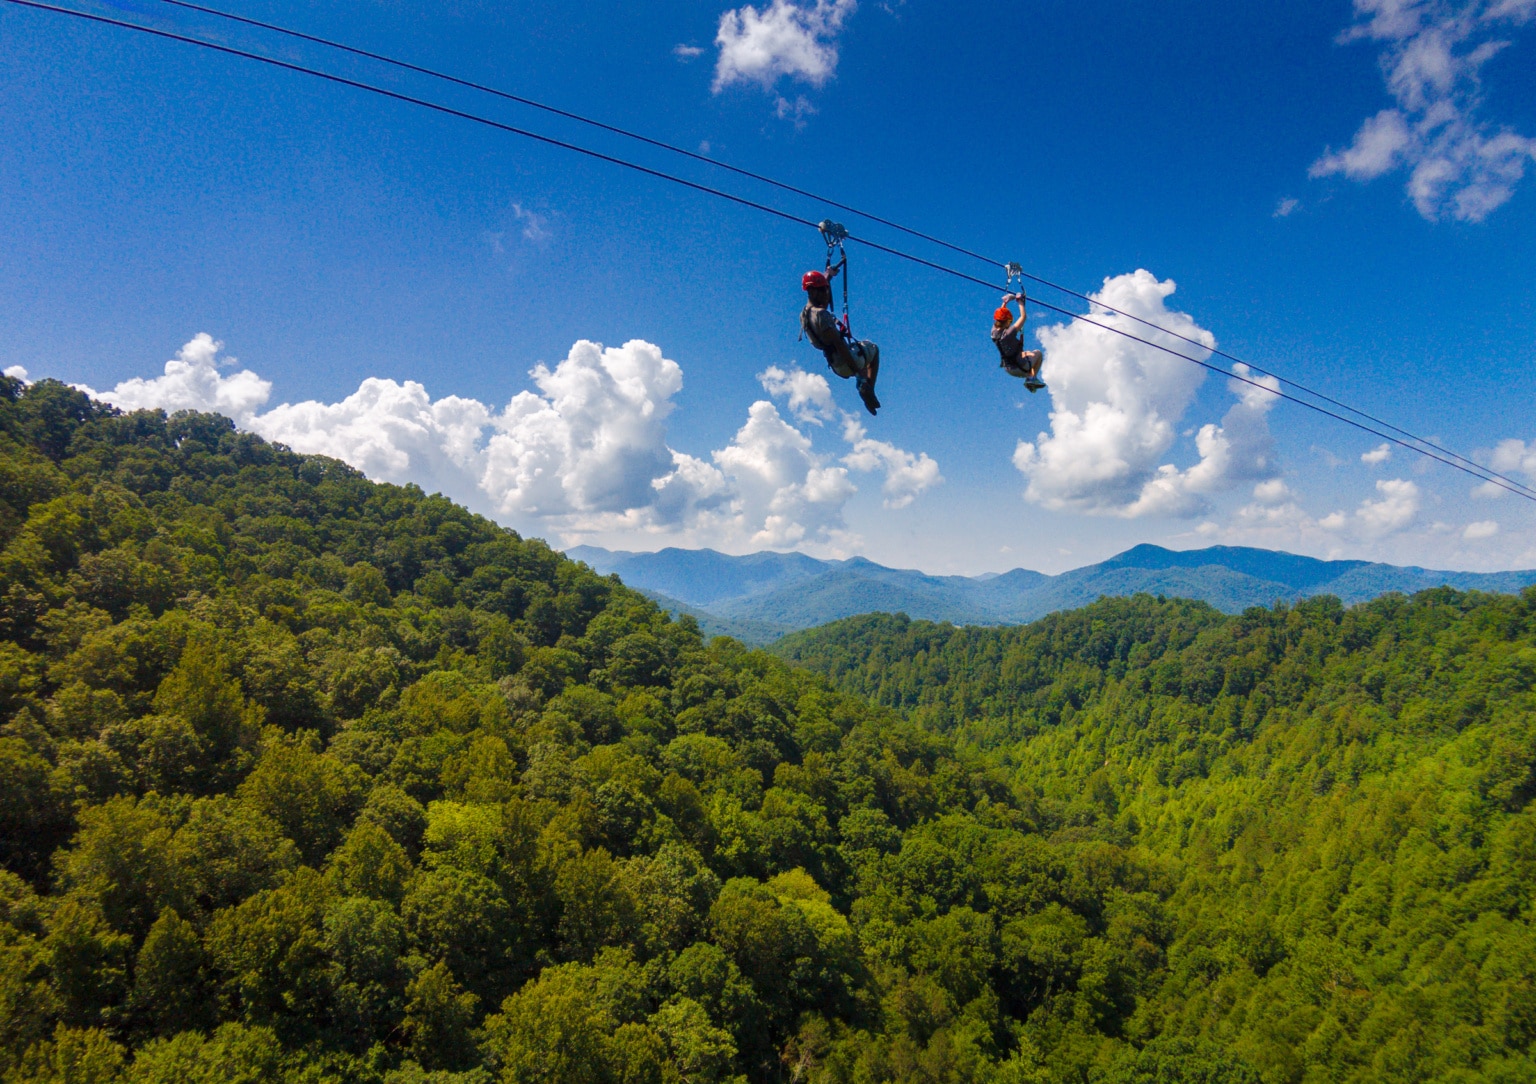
x,y
761,596
702,577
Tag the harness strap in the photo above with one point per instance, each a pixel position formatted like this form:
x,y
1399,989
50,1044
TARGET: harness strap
x,y
834,234
1014,270
844,322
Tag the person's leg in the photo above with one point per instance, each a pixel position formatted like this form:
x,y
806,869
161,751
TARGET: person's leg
x,y
869,355
1033,359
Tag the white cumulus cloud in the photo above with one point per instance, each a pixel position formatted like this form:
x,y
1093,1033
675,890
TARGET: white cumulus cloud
x,y
1275,518
390,431
1377,455
1480,530
784,493
809,394
1508,457
1460,165
1515,455
191,381
906,475
591,440
782,39
1116,404
1394,509
585,452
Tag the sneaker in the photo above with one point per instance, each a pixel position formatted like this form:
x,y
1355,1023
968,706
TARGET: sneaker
x,y
867,393
1034,384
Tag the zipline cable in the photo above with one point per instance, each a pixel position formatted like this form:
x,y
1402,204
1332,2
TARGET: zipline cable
x,y
1475,470
230,50
786,187
1515,488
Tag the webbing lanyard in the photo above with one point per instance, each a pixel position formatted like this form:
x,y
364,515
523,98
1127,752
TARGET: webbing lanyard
x,y
1014,271
834,235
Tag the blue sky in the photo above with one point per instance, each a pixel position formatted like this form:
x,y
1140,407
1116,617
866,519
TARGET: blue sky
x,y
1342,194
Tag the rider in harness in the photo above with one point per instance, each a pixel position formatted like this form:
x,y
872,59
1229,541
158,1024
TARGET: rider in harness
x,y
846,355
1007,337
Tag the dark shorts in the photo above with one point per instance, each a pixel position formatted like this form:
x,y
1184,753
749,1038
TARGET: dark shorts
x,y
863,352
1020,364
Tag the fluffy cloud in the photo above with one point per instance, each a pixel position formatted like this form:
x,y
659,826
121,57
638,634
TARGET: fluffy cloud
x,y
1480,530
191,381
906,475
1116,404
1377,455
390,431
809,398
1515,455
1461,166
783,39
594,438
1275,518
1395,509
1508,457
785,494
584,453
809,394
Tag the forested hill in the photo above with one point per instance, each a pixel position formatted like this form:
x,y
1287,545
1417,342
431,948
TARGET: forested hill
x,y
1340,802
306,779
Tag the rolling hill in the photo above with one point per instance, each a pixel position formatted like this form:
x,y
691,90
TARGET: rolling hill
x,y
312,780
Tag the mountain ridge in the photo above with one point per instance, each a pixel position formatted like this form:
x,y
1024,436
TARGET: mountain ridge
x,y
761,595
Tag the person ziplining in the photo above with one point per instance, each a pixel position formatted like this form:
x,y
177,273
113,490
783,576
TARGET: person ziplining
x,y
846,356
1008,335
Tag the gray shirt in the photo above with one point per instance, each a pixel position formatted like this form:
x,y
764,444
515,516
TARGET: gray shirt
x,y
1009,345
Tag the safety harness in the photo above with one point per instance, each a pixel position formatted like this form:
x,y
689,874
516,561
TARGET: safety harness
x,y
834,234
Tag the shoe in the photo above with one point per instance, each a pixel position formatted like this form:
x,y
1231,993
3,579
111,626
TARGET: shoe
x,y
1034,384
867,393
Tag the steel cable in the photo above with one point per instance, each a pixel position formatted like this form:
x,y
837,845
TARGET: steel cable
x,y
1457,462
786,187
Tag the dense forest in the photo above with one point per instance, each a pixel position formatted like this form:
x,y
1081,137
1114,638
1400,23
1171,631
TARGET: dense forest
x,y
1338,804
309,779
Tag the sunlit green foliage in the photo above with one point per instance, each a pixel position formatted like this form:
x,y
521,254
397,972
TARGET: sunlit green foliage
x,y
308,779
1334,807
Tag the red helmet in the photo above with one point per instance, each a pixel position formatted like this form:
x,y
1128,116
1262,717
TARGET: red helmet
x,y
812,280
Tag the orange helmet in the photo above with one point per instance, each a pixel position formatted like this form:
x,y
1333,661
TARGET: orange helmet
x,y
1003,315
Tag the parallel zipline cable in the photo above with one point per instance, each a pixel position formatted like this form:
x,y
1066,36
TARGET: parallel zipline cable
x,y
1455,461
794,189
